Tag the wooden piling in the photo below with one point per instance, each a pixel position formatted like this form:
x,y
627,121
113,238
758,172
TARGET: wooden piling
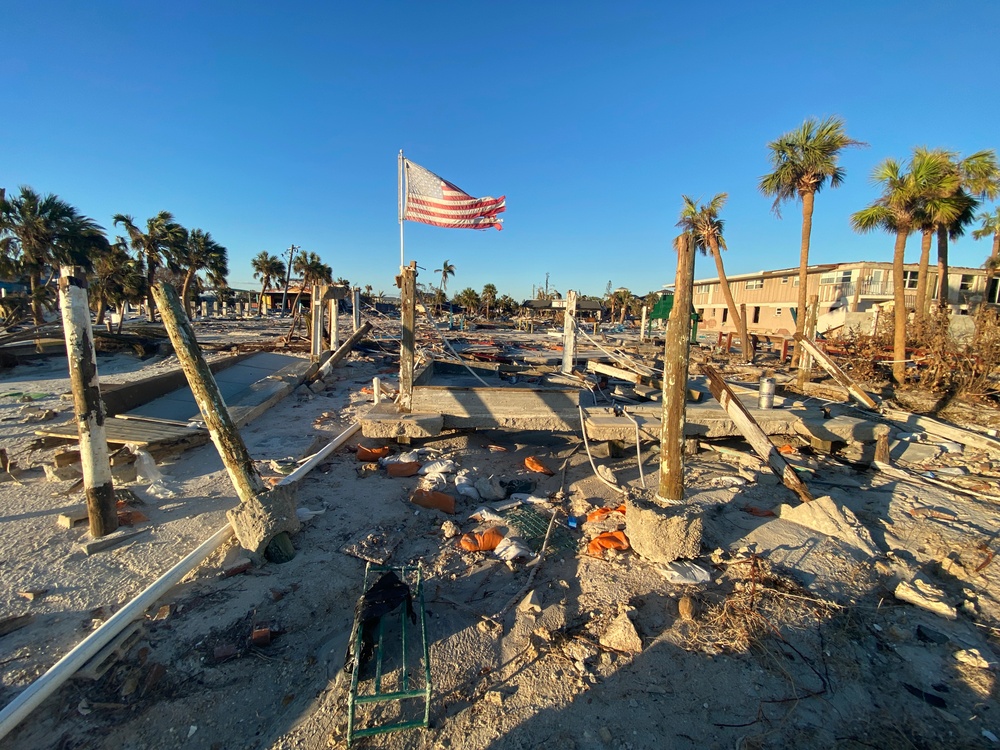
x,y
407,283
316,330
804,359
356,307
98,485
675,377
745,349
569,333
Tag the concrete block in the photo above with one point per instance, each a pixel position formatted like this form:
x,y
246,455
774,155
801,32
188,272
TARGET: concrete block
x,y
268,514
663,534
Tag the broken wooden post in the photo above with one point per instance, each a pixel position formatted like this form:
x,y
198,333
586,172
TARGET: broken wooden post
x,y
263,520
642,327
324,372
98,485
745,349
569,333
729,342
675,378
334,325
316,319
754,434
882,455
356,306
804,360
836,373
407,283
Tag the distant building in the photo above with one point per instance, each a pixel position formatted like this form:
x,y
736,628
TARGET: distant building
x,y
771,297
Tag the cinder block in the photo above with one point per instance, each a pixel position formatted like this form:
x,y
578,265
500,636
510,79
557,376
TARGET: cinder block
x,y
663,534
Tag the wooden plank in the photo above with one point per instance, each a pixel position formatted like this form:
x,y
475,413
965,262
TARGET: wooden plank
x,y
754,434
950,432
122,432
614,372
72,517
111,540
10,624
835,372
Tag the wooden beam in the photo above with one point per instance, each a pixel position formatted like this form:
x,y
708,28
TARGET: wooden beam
x,y
754,434
835,372
569,333
327,368
614,372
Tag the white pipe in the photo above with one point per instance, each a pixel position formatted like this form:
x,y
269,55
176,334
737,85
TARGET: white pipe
x,y
19,708
322,453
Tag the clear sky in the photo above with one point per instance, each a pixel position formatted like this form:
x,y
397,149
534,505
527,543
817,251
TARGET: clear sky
x,y
269,124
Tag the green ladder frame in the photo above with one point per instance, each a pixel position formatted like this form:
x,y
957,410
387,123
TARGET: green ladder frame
x,y
405,573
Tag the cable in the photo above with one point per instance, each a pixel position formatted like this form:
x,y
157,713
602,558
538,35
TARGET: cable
x,y
638,450
586,444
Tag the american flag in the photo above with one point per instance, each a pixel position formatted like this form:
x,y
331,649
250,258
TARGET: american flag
x,y
431,200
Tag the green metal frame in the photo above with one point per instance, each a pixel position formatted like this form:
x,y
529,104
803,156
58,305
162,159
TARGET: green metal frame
x,y
413,576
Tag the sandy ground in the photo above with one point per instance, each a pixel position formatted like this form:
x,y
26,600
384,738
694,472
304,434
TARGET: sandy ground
x,y
796,639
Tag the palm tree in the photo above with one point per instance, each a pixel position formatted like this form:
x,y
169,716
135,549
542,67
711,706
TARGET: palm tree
x,y
469,299
38,233
201,253
706,227
990,228
155,247
804,161
905,195
506,305
267,268
978,177
489,297
447,269
313,270
118,280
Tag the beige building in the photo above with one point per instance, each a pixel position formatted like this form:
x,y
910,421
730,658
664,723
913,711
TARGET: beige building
x,y
771,296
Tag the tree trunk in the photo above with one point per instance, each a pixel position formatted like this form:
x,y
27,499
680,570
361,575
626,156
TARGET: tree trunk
x,y
150,302
808,198
925,256
899,308
35,283
991,269
942,263
734,314
260,302
185,289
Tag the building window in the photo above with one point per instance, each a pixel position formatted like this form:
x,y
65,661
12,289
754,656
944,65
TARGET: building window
x,y
755,284
784,279
795,281
777,312
910,279
837,277
725,314
702,289
967,282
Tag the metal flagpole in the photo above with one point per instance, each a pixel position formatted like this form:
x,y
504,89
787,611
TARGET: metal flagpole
x,y
402,208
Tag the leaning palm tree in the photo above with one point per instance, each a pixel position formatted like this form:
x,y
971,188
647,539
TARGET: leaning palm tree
x,y
201,253
990,227
706,227
447,269
155,247
313,270
39,232
267,268
118,280
905,195
805,160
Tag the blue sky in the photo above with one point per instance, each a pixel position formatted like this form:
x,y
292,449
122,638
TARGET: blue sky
x,y
269,124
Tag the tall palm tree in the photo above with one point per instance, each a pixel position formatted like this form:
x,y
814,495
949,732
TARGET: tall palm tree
x,y
905,195
488,297
267,268
155,247
313,270
39,232
978,176
447,269
706,227
201,253
469,299
805,160
118,280
990,228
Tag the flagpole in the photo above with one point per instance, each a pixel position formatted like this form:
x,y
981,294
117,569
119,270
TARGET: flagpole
x,y
402,208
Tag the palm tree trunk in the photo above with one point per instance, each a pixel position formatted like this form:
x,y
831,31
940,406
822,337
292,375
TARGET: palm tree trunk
x,y
150,303
899,308
808,198
260,302
942,263
991,266
925,257
185,288
734,314
34,283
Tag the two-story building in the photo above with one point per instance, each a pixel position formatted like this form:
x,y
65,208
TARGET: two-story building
x,y
771,297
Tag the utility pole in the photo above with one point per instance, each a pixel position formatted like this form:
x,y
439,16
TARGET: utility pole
x,y
288,279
